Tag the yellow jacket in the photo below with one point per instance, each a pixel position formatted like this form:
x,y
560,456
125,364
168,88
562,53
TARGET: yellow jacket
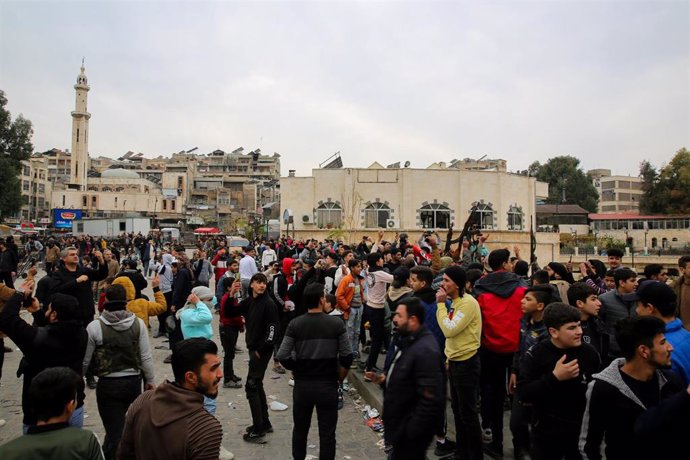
x,y
142,308
463,329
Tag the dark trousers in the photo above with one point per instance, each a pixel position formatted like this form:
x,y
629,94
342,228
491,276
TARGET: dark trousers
x,y
520,418
410,449
324,396
376,317
493,391
49,267
228,338
113,396
6,277
2,355
555,447
464,380
163,316
256,396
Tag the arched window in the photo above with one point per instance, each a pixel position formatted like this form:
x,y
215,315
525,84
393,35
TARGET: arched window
x,y
329,214
664,243
106,189
486,216
515,218
120,189
434,215
655,242
376,215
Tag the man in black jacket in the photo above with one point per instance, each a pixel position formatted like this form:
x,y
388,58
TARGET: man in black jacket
x,y
415,387
75,280
261,316
62,342
621,400
553,378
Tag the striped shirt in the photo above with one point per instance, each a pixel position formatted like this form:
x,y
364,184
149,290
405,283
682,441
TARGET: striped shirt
x,y
315,346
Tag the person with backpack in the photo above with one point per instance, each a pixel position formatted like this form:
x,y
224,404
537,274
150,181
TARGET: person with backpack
x,y
118,344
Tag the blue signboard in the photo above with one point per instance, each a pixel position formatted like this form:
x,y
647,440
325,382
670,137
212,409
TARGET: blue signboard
x,y
62,218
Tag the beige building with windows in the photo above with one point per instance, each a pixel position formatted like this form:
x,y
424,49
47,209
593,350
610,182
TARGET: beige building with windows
x,y
617,194
350,202
36,191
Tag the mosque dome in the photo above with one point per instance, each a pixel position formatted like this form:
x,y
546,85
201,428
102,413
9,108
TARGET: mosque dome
x,y
120,173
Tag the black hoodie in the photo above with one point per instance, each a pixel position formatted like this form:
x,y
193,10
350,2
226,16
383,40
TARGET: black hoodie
x,y
57,344
261,316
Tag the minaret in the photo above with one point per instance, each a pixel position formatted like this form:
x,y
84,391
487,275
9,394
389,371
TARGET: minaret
x,y
80,134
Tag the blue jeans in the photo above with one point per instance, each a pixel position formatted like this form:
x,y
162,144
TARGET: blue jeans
x,y
354,322
210,405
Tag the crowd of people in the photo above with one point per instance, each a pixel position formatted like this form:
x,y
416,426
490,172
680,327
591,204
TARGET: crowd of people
x,y
589,363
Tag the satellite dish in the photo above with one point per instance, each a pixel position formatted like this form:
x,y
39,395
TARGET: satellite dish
x,y
287,216
407,164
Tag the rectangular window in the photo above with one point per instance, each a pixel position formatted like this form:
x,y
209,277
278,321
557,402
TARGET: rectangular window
x,y
608,185
172,205
63,201
123,226
84,201
80,227
165,205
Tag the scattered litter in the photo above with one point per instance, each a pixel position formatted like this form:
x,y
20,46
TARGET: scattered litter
x,y
312,446
291,382
375,424
230,404
278,406
86,415
310,457
381,444
347,457
346,387
3,422
246,360
272,397
275,377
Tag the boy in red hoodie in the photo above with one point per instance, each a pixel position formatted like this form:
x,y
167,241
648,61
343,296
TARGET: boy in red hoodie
x,y
231,324
500,297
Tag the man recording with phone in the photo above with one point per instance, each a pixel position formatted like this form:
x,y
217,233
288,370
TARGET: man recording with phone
x,y
73,279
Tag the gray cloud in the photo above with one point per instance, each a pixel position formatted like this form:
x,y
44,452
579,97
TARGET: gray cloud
x,y
607,82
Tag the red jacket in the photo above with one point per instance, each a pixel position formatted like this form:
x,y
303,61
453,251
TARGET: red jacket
x,y
229,313
500,296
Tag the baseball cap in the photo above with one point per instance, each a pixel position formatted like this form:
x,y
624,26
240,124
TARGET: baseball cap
x,y
654,292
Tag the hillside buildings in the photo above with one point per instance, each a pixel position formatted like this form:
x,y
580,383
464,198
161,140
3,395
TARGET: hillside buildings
x,y
187,188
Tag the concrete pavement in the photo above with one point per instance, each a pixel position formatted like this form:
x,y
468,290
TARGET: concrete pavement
x,y
354,439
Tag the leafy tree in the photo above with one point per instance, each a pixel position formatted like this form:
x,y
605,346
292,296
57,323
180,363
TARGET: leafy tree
x,y
11,196
568,183
15,146
668,191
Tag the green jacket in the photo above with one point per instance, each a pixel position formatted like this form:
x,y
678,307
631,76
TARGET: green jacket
x,y
57,440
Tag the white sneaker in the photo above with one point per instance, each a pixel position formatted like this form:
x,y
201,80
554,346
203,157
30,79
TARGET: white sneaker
x,y
225,454
487,435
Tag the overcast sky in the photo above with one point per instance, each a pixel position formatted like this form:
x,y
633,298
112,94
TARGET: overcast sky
x,y
607,82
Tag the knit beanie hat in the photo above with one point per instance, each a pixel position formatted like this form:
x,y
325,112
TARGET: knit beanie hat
x,y
203,293
457,274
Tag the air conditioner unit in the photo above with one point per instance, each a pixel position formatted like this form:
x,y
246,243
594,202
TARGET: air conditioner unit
x,y
392,223
307,219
